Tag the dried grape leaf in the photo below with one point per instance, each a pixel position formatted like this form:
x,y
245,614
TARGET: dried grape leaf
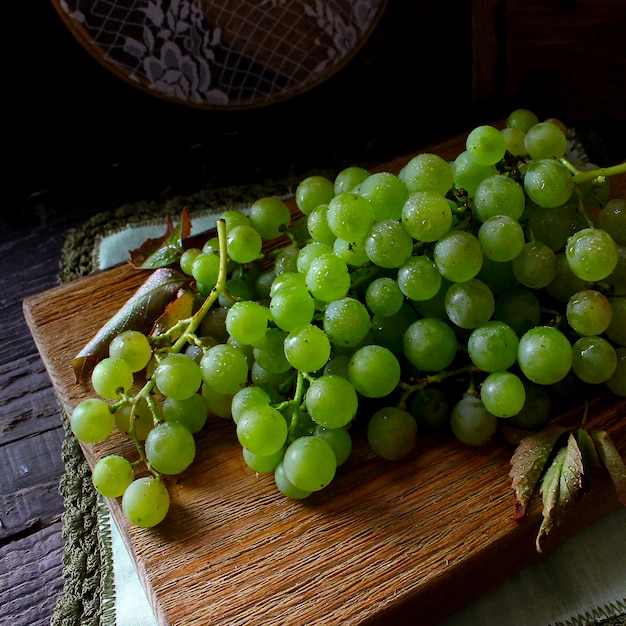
x,y
528,463
139,311
179,309
163,251
612,461
561,485
591,459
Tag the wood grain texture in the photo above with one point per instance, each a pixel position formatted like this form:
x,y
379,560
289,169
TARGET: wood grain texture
x,y
387,542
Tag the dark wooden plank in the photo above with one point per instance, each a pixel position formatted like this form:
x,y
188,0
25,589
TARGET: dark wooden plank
x,y
31,580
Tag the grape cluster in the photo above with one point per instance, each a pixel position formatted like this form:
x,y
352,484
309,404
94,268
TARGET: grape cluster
x,y
445,298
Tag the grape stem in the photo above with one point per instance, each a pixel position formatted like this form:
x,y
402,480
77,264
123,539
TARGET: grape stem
x,y
408,389
599,174
190,324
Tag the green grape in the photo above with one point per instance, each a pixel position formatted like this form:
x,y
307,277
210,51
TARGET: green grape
x,y
427,171
419,279
177,376
91,420
548,183
535,266
310,252
338,365
486,145
497,275
617,382
458,255
287,488
430,344
493,346
471,423
269,216
111,377
205,270
191,412
594,359
392,433
522,119
503,393
328,278
426,215
307,348
331,401
233,218
313,191
244,244
247,322
501,238
338,439
468,174
565,283
224,368
133,347
386,193
310,463
142,419
383,296
317,225
349,216
286,260
212,244
431,407
388,331
346,322
351,253
262,463
374,371
145,502
187,258
350,178
236,289
519,308
469,304
248,397
514,141
612,219
591,254
262,429
545,141
589,312
270,353
218,404
213,325
388,244
616,330
536,410
287,279
553,226
170,448
499,195
544,355
263,284
435,306
112,475
272,382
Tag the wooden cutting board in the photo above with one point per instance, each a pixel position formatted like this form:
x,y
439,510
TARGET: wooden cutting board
x,y
388,542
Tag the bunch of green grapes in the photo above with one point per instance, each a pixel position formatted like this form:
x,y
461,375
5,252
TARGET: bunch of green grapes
x,y
447,298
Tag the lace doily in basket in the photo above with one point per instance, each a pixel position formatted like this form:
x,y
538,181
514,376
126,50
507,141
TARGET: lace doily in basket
x,y
224,54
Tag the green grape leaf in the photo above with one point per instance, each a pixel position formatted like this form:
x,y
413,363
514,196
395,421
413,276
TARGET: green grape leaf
x,y
165,250
613,462
528,463
561,485
138,312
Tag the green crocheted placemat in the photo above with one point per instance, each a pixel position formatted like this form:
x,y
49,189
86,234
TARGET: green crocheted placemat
x,y
85,595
